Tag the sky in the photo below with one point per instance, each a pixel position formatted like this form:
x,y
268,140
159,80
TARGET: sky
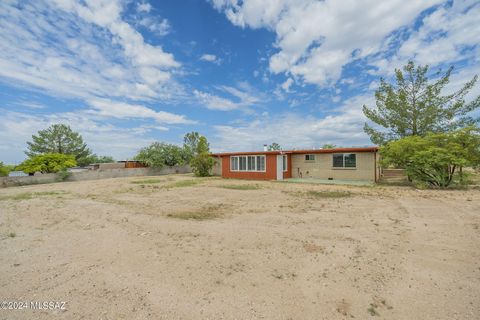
x,y
243,73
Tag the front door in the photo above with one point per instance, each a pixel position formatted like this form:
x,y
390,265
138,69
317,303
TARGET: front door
x,y
280,167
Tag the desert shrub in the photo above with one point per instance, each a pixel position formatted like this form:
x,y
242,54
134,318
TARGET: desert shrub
x,y
63,174
436,160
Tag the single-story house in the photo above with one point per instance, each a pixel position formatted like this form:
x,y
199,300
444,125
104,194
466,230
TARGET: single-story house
x,y
332,164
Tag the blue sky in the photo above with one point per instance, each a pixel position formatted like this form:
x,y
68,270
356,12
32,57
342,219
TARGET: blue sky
x,y
242,73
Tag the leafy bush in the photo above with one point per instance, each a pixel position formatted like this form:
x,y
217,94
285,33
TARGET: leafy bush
x,y
202,163
4,170
159,154
435,160
47,163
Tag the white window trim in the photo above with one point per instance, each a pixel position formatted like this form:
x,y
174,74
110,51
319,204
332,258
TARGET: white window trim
x,y
309,154
246,163
285,162
343,156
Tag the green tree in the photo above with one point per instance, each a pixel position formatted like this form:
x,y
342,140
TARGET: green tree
x,y
190,144
434,159
274,147
4,170
98,159
415,105
47,163
329,146
202,162
59,138
160,154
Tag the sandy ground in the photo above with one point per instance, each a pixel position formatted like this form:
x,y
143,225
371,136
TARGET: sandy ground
x,y
113,249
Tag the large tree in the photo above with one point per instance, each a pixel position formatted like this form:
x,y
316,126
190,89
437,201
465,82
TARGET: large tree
x,y
59,138
159,154
415,106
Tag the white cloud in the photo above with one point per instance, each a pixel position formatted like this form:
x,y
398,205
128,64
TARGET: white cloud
x,y
287,84
210,58
444,38
83,50
214,102
243,98
315,39
294,131
144,7
160,27
123,110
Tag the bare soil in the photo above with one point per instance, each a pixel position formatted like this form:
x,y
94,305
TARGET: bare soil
x,y
178,247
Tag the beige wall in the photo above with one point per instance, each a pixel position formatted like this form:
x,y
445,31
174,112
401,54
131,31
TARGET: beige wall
x,y
322,168
217,167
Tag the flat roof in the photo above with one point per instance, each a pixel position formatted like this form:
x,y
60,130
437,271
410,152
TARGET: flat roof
x,y
303,151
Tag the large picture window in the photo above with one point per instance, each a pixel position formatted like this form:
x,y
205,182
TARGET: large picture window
x,y
344,160
247,163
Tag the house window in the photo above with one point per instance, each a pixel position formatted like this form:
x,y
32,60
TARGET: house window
x,y
344,160
309,157
285,163
233,163
247,163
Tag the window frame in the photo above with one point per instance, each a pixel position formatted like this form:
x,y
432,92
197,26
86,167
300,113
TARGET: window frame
x,y
248,164
285,163
309,155
343,161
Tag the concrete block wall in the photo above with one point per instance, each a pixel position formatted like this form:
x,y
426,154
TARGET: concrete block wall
x,y
92,175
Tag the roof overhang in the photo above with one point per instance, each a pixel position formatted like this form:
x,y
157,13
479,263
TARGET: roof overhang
x,y
306,151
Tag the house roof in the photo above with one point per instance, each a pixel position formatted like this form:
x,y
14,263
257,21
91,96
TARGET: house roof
x,y
304,151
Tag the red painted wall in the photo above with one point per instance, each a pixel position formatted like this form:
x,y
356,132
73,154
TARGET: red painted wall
x,y
288,174
269,174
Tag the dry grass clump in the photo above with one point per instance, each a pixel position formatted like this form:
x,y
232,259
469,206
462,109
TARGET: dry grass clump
x,y
32,195
184,183
147,181
321,194
204,213
241,186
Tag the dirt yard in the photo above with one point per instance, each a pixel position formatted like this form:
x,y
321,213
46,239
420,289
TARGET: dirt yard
x,y
177,247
